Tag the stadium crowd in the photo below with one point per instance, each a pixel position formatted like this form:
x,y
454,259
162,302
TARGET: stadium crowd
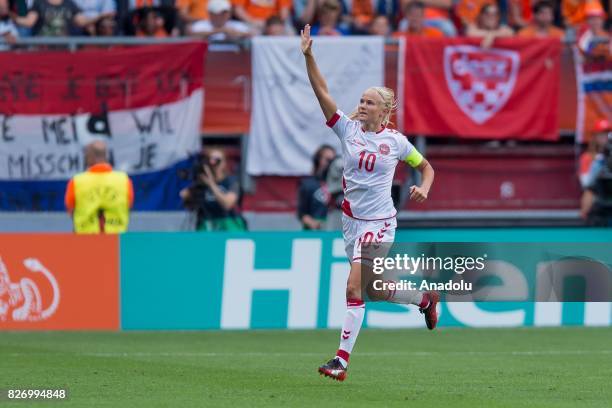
x,y
227,20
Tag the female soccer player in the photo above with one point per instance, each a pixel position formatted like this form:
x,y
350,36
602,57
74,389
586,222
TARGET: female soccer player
x,y
370,153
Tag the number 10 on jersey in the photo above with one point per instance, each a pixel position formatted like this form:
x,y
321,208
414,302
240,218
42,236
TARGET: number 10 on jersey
x,y
367,160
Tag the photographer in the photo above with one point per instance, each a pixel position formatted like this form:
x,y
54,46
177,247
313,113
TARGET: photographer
x,y
313,195
336,191
214,195
593,164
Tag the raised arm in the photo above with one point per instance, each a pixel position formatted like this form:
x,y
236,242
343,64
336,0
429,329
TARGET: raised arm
x,y
328,106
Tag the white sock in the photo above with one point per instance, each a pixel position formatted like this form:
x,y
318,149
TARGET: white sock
x,y
355,311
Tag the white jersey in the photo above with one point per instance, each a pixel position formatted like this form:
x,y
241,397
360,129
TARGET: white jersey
x,y
370,159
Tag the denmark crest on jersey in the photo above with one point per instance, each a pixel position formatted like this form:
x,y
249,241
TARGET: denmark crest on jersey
x,y
480,81
384,149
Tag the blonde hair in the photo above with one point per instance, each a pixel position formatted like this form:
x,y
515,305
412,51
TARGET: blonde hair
x,y
389,103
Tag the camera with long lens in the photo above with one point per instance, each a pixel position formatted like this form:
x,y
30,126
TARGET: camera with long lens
x,y
193,173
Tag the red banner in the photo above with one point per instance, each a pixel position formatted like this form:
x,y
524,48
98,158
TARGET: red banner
x,y
99,79
455,87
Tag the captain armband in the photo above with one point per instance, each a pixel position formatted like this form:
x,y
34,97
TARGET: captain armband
x,y
414,158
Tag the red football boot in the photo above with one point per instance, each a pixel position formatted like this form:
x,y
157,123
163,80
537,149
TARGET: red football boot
x,y
333,369
431,299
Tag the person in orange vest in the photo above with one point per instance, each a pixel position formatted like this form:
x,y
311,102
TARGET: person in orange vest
x,y
99,198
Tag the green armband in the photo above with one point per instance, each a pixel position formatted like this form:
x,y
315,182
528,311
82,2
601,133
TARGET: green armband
x,y
414,158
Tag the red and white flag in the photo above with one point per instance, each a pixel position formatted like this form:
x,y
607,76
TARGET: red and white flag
x,y
145,102
453,87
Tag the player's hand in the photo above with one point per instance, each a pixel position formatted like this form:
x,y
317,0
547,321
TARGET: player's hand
x,y
306,40
418,194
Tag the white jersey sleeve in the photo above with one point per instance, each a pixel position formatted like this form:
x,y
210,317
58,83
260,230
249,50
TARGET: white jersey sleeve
x,y
340,124
404,147
407,152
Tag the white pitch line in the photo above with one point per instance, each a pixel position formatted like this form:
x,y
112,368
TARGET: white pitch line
x,y
301,354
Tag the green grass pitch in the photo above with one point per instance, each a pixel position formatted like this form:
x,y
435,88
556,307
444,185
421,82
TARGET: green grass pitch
x,y
547,367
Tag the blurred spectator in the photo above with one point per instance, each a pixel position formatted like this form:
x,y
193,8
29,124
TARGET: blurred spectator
x,y
54,18
304,12
467,10
256,12
488,26
542,23
359,14
191,11
519,13
95,213
574,11
415,22
592,162
219,27
437,15
20,8
8,30
96,9
214,195
390,8
356,13
138,10
380,25
313,196
362,13
151,24
106,27
139,4
329,18
593,39
276,27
